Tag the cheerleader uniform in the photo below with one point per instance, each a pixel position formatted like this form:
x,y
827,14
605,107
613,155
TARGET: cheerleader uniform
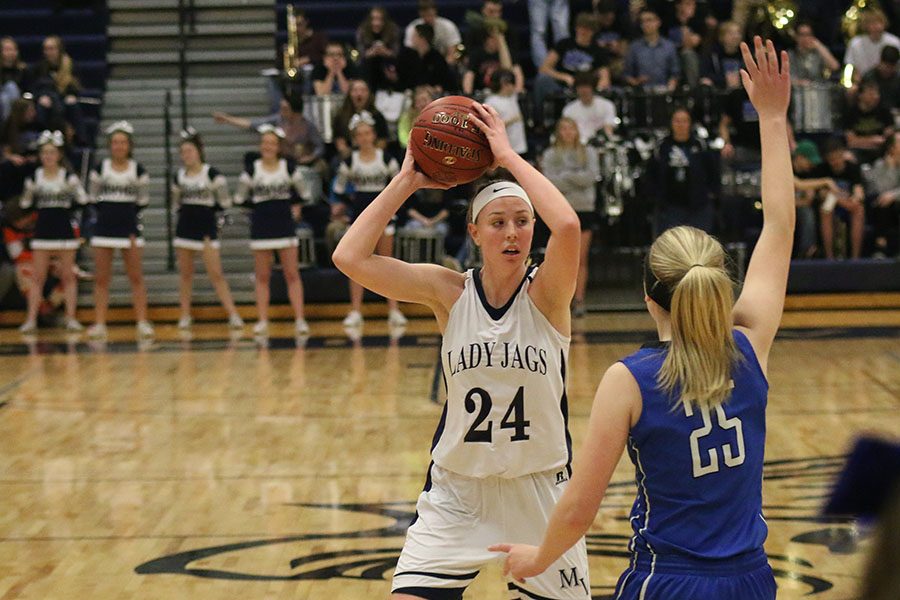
x,y
269,195
367,180
199,198
119,196
54,199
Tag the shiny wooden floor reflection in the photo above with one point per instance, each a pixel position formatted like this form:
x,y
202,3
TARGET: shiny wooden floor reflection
x,y
231,470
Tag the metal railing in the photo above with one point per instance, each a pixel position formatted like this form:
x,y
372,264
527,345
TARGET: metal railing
x,y
167,188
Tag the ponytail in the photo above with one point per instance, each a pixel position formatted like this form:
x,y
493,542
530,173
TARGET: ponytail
x,y
690,265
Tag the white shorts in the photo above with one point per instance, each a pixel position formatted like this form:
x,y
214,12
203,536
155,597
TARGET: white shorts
x,y
459,517
37,244
197,245
117,242
274,243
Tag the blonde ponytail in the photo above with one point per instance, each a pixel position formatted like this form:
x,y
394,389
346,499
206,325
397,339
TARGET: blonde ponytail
x,y
702,353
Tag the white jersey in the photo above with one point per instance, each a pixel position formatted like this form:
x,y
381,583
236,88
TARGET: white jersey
x,y
206,188
506,413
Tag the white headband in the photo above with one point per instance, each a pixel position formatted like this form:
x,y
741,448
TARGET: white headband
x,y
499,190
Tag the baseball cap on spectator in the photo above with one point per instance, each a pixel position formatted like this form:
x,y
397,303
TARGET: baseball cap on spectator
x,y
808,150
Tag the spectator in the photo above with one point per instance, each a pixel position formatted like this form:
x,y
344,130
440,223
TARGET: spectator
x,y
685,176
18,231
18,137
422,97
539,11
358,99
485,23
311,45
887,76
53,83
491,54
503,97
864,50
721,66
867,123
12,75
847,205
333,74
446,34
687,33
611,36
808,189
302,142
422,64
739,128
359,180
810,59
310,52
567,58
574,170
652,61
378,43
590,112
427,209
883,187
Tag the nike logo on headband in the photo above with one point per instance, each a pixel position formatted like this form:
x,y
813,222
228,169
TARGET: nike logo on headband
x,y
495,190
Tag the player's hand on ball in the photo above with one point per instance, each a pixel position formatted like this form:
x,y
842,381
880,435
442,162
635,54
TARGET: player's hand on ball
x,y
491,124
521,560
412,175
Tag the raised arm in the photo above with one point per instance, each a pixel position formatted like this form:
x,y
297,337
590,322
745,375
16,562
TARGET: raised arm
x,y
554,285
355,256
761,303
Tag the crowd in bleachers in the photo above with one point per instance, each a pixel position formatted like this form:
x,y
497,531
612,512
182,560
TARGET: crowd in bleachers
x,y
619,71
602,95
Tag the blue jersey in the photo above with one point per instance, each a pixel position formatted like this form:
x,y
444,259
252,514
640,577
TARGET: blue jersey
x,y
698,471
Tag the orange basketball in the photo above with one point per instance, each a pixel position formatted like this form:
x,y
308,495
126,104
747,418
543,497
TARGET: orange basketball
x,y
446,145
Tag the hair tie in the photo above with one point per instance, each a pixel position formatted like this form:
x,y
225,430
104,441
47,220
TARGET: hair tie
x,y
695,265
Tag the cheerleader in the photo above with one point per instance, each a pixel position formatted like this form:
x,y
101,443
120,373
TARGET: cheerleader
x,y
53,191
368,171
272,187
199,191
119,187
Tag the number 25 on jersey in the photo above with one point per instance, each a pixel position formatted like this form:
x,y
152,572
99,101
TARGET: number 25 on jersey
x,y
731,457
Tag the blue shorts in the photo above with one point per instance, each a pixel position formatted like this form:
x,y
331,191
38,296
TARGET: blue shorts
x,y
675,578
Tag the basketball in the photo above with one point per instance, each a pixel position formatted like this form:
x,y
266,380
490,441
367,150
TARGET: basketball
x,y
446,145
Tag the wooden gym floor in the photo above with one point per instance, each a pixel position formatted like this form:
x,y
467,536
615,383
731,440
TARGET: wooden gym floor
x,y
220,468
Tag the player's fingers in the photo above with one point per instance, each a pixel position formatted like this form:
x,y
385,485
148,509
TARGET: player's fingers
x,y
500,548
745,78
479,123
772,58
748,58
785,63
760,52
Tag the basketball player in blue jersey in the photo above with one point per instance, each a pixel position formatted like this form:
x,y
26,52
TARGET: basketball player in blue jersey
x,y
691,408
501,451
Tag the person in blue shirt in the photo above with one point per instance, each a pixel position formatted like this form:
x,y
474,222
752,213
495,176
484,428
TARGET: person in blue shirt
x,y
652,61
691,408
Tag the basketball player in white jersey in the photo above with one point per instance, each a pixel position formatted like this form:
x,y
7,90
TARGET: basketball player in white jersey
x,y
501,452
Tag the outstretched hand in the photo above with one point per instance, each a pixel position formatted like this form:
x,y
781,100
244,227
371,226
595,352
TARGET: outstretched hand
x,y
491,124
767,84
521,561
411,175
